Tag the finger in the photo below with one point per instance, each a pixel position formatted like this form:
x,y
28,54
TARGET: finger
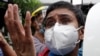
x,y
16,12
1,35
9,19
18,24
10,23
1,39
28,24
10,12
6,16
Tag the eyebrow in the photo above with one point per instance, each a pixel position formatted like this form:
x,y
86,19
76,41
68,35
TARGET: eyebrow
x,y
61,15
49,18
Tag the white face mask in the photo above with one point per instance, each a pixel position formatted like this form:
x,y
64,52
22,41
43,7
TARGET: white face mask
x,y
61,39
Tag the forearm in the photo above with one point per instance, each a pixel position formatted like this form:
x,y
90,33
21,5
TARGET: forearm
x,y
8,50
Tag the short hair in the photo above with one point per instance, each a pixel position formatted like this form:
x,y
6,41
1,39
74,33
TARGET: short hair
x,y
62,4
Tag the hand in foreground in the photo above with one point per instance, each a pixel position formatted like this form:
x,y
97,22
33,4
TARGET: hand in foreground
x,y
21,36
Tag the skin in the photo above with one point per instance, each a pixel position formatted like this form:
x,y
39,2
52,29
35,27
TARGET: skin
x,y
66,17
40,19
36,23
6,48
21,36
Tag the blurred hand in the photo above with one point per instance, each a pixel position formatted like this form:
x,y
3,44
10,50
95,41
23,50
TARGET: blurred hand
x,y
6,48
2,40
21,36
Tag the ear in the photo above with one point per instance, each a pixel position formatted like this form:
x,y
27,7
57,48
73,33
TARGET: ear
x,y
81,34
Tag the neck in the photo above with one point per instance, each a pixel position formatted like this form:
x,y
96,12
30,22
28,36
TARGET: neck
x,y
74,52
39,36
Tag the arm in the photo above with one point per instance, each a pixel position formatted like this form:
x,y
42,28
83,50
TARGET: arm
x,y
6,48
39,47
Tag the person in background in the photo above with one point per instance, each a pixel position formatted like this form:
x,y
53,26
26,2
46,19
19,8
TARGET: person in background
x,y
37,28
36,23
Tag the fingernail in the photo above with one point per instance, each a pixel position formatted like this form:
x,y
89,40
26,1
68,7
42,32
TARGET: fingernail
x,y
28,12
9,5
15,5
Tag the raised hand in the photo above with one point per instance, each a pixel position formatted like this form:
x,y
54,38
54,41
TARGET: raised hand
x,y
20,35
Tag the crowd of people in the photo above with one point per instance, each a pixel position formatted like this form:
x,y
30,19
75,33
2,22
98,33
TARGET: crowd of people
x,y
59,33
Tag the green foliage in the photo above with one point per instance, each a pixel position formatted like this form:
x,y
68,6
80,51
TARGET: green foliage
x,y
2,5
24,5
29,5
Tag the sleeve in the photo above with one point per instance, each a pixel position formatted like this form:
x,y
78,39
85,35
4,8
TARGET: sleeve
x,y
39,47
1,53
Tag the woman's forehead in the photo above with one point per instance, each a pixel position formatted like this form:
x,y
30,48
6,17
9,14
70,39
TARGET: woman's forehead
x,y
61,11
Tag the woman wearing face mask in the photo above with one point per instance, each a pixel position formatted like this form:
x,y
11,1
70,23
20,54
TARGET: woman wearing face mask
x,y
63,30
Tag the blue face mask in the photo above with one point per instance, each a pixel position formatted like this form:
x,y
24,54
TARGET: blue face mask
x,y
42,30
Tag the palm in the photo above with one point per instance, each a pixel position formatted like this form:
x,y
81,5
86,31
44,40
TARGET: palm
x,y
20,36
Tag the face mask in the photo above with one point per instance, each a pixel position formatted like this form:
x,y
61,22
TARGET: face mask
x,y
41,30
61,39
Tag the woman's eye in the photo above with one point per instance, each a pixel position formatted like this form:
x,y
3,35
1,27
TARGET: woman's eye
x,y
64,20
50,23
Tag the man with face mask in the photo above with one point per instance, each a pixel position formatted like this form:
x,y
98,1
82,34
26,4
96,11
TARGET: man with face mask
x,y
63,29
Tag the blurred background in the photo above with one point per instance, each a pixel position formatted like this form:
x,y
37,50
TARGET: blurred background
x,y
32,5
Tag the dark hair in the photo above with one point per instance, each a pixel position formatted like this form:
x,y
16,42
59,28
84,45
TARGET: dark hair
x,y
62,4
2,13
